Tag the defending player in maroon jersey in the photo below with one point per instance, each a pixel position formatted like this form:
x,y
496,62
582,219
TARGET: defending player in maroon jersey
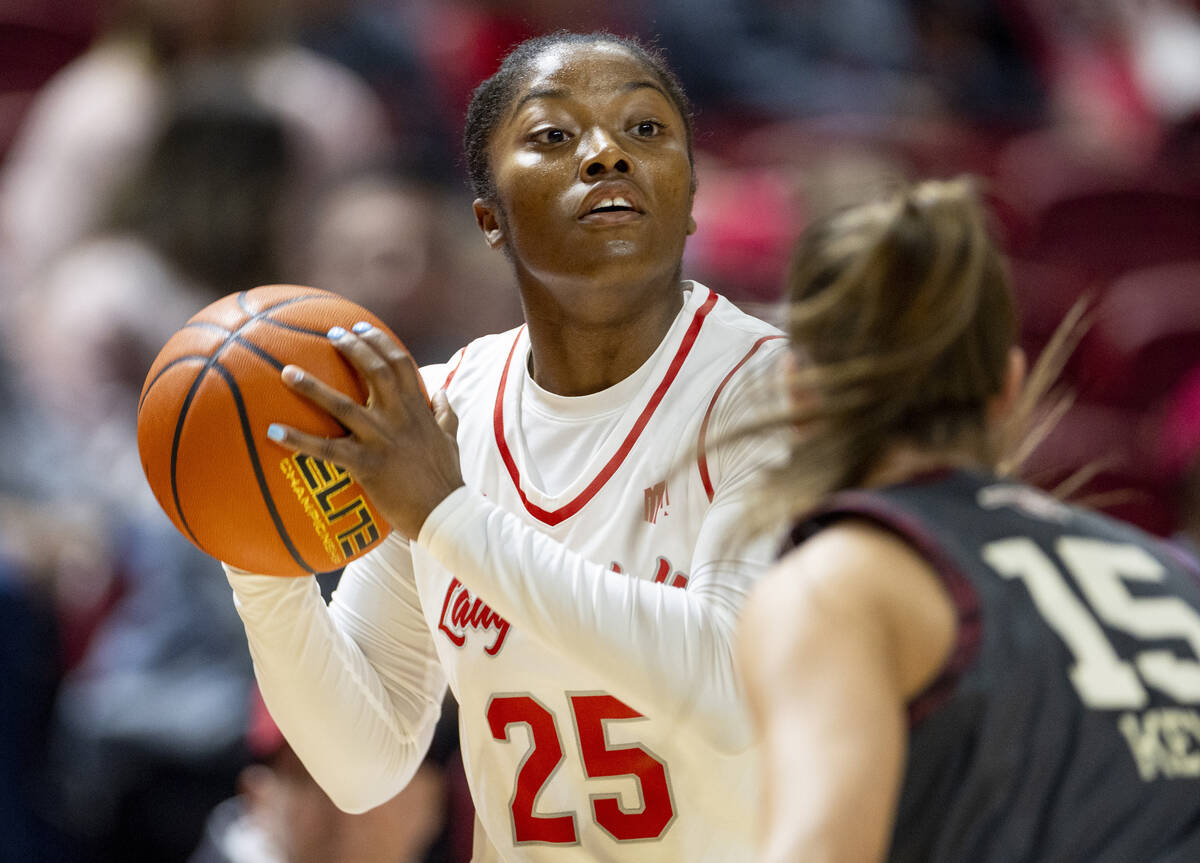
x,y
564,554
950,666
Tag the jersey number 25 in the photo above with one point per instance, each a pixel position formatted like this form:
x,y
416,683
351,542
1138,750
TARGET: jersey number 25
x,y
590,712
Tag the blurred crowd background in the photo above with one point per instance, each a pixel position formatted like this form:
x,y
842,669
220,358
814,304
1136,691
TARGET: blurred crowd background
x,y
158,154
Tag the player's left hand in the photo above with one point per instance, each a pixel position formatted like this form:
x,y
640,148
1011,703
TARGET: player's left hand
x,y
401,452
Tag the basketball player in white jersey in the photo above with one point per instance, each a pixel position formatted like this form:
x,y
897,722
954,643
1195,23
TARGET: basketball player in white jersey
x,y
563,555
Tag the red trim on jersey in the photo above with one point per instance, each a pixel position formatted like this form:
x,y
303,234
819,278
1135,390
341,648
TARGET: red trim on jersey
x,y
702,457
461,356
557,516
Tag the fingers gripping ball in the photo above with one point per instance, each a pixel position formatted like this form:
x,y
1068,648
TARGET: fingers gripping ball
x,y
202,434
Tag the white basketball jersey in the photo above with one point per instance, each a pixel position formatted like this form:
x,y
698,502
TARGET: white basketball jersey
x,y
561,767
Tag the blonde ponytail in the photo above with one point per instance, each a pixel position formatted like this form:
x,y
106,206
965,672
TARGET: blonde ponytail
x,y
901,317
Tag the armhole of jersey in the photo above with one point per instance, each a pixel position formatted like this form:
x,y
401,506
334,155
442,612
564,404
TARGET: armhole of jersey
x,y
702,440
462,353
859,504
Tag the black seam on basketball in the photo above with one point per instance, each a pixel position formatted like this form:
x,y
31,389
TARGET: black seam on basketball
x,y
201,357
213,361
183,410
287,301
316,294
259,476
260,353
293,327
258,317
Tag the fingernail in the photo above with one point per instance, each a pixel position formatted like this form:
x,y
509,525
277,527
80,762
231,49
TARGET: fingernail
x,y
275,432
361,327
336,333
292,375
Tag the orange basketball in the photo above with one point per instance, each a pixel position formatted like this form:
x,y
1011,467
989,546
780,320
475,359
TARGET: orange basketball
x,y
202,434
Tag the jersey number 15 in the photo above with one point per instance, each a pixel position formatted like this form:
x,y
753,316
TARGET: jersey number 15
x,y
1103,679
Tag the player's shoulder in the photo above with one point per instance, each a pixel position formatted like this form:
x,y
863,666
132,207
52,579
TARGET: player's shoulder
x,y
728,318
480,356
738,358
852,571
734,335
855,547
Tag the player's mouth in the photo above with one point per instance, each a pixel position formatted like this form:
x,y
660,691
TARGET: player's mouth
x,y
607,207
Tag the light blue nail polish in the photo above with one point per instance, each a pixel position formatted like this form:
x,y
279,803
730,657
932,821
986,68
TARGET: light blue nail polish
x,y
336,332
275,432
361,327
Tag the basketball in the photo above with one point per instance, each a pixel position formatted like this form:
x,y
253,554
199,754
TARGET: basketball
x,y
202,421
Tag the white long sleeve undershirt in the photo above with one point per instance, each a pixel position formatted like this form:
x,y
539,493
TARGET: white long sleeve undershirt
x,y
357,688
666,652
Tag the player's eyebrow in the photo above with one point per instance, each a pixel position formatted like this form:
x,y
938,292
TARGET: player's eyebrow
x,y
544,93
638,85
559,93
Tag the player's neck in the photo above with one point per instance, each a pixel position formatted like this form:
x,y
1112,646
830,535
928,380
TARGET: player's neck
x,y
573,357
904,461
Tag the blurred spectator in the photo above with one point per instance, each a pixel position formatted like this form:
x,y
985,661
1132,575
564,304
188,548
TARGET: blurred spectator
x,y
29,672
1120,74
43,547
97,118
386,44
212,195
1137,56
783,58
377,238
281,815
204,213
147,726
410,252
974,60
147,731
35,540
37,38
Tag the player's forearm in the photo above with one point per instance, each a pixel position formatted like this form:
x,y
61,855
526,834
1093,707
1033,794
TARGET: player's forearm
x,y
666,651
360,720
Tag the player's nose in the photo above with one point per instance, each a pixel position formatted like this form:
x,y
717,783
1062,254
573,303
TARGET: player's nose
x,y
603,155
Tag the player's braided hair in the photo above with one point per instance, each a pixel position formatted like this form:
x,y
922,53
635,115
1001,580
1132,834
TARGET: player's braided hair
x,y
493,97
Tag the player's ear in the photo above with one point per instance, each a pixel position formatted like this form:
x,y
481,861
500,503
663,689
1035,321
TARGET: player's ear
x,y
488,218
691,222
1005,401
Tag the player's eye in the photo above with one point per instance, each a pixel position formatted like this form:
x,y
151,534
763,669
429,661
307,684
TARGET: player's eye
x,y
551,135
647,128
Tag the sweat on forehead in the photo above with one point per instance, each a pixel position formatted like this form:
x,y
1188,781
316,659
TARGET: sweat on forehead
x,y
555,56
495,98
